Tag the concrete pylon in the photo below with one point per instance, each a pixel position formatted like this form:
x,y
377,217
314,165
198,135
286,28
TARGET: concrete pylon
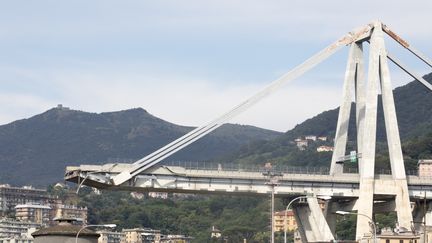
x,y
313,226
379,77
353,83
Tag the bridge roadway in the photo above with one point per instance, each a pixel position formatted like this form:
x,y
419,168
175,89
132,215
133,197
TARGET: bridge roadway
x,y
212,181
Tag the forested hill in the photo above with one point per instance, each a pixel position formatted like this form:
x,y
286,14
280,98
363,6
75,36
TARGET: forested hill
x,y
414,112
413,107
37,150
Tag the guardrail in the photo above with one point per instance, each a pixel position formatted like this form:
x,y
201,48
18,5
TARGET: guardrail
x,y
203,165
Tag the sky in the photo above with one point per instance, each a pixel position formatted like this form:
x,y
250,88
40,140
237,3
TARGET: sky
x,y
188,61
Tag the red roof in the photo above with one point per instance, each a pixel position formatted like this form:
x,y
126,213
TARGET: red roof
x,y
282,213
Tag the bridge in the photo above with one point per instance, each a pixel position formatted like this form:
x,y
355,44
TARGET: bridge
x,y
366,192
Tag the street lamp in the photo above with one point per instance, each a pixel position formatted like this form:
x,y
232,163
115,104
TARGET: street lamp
x,y
289,204
364,215
93,225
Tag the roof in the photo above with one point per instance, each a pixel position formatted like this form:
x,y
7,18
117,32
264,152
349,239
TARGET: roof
x,y
282,213
425,161
65,230
32,206
408,236
140,230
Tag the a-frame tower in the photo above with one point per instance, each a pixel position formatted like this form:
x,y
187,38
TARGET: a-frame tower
x,y
366,99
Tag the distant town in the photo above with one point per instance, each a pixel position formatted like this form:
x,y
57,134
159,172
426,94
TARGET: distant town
x,y
303,142
25,210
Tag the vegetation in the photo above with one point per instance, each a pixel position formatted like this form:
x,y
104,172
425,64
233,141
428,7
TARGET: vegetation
x,y
48,142
237,217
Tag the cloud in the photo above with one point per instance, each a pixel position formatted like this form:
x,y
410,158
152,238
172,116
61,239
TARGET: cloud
x,y
187,61
182,101
19,106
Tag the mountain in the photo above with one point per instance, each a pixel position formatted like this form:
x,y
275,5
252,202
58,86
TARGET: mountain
x,y
413,104
37,150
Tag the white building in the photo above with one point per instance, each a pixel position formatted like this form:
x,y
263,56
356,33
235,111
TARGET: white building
x,y
425,168
215,233
12,196
324,149
162,195
12,229
311,137
111,237
302,144
33,213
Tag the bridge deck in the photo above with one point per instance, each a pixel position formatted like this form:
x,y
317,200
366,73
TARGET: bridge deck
x,y
190,180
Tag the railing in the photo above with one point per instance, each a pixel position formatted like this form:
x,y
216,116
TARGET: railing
x,y
214,166
197,165
203,165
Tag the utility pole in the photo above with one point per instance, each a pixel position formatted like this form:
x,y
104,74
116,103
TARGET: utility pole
x,y
272,182
424,219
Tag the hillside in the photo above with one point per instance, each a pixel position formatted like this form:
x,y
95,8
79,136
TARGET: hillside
x,y
37,150
414,111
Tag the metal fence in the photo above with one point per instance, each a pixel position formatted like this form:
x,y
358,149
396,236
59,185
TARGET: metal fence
x,y
203,165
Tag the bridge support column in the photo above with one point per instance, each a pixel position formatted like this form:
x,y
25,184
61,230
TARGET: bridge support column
x,y
330,215
422,214
379,77
352,82
365,208
312,224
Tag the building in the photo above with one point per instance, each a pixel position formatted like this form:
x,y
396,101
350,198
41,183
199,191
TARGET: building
x,y
33,213
70,211
65,231
12,196
176,239
140,235
311,137
13,229
111,237
162,195
17,239
279,223
302,144
390,236
324,149
143,235
425,168
322,138
137,195
215,233
61,107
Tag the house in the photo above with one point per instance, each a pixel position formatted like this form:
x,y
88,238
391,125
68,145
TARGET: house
x,y
311,137
280,220
425,167
39,214
215,233
389,235
324,149
302,144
